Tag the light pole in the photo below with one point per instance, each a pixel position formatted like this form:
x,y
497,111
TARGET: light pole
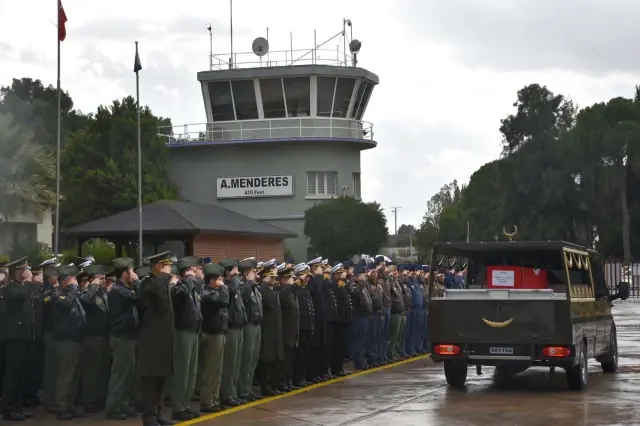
x,y
210,47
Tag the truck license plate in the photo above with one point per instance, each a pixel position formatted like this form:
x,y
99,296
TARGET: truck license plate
x,y
501,351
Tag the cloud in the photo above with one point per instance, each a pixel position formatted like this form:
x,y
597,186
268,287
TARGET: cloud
x,y
587,36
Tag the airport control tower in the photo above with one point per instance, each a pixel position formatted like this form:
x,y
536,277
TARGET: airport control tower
x,y
284,131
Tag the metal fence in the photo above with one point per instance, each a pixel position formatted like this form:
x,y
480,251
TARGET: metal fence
x,y
613,275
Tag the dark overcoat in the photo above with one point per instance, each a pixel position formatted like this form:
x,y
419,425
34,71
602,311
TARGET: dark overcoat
x,y
290,316
271,346
155,344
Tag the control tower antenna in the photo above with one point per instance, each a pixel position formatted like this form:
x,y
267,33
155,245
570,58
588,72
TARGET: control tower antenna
x,y
395,218
231,28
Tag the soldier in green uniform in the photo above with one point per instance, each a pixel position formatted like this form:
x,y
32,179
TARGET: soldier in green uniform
x,y
215,322
252,332
397,313
231,359
69,325
124,327
188,320
96,353
32,376
156,344
19,331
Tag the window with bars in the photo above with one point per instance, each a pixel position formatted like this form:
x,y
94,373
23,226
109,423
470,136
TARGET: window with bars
x,y
356,185
322,183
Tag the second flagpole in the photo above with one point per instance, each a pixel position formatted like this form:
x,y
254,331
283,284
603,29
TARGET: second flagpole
x,y
140,242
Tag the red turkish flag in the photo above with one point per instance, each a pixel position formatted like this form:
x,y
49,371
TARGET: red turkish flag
x,y
62,20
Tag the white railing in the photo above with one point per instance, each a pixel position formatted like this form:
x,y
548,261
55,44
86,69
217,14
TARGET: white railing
x,y
277,128
281,58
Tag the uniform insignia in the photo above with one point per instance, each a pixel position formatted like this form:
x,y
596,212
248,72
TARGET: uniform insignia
x,y
99,301
47,299
198,296
62,297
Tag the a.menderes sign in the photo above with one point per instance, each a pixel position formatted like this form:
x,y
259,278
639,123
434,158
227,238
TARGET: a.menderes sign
x,y
256,186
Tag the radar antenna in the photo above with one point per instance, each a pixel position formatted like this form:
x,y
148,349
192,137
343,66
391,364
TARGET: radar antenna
x,y
260,47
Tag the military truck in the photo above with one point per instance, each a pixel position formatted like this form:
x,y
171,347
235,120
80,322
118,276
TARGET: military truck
x,y
524,304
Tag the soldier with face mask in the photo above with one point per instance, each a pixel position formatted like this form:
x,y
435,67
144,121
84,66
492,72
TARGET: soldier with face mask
x,y
301,371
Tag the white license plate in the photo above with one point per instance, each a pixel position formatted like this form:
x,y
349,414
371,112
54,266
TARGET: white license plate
x,y
501,351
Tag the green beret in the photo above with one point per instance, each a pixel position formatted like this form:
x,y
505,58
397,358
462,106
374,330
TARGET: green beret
x,y
228,263
95,270
187,262
249,263
65,271
212,270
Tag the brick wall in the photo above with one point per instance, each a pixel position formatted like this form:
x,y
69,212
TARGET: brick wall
x,y
218,247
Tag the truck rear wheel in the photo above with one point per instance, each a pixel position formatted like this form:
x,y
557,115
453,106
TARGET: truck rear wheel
x,y
578,375
455,371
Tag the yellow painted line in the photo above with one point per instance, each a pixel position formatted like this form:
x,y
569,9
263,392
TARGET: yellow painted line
x,y
299,391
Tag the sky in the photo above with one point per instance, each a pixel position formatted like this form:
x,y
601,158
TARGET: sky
x,y
449,71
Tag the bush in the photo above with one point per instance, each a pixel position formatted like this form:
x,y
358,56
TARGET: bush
x,y
35,252
103,252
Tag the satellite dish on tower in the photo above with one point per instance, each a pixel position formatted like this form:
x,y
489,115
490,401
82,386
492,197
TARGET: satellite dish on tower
x,y
260,46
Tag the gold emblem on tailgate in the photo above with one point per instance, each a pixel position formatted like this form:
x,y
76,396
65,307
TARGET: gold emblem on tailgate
x,y
498,324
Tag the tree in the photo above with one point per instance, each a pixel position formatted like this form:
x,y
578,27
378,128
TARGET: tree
x,y
100,164
343,227
27,171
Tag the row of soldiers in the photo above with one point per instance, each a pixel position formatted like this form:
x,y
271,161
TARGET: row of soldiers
x,y
121,337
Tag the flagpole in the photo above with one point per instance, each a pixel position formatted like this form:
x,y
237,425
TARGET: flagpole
x,y
140,243
57,225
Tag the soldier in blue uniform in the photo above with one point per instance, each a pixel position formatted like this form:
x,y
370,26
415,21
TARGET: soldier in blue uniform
x,y
301,371
343,318
316,360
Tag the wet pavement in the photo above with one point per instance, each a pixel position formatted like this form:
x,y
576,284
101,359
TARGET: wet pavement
x,y
415,394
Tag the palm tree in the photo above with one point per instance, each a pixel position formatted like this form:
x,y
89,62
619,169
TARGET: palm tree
x,y
27,171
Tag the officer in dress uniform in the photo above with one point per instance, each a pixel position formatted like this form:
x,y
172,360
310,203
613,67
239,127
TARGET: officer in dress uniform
x,y
252,332
32,378
124,327
96,353
271,349
331,316
188,320
408,302
316,361
338,287
301,371
397,313
374,332
69,327
19,332
232,357
49,286
290,325
362,311
215,322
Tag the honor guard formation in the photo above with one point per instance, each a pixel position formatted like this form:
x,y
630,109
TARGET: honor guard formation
x,y
88,338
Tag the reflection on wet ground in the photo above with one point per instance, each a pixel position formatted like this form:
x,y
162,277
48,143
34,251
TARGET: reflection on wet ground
x,y
415,394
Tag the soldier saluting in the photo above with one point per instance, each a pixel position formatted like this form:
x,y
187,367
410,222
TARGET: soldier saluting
x,y
155,344
19,331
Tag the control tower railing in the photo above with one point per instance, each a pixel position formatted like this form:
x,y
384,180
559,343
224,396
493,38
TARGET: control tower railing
x,y
277,128
281,58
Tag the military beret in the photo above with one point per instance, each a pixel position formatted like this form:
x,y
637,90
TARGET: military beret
x,y
142,271
248,263
228,263
95,270
65,271
211,270
187,262
359,269
163,258
18,264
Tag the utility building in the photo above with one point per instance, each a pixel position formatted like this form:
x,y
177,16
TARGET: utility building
x,y
284,131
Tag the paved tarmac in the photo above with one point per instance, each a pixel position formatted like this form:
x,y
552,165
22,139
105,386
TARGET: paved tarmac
x,y
415,394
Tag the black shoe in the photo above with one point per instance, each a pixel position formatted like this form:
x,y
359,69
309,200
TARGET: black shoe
x,y
231,403
27,414
91,409
181,416
194,414
209,409
149,421
163,422
117,415
130,412
14,417
66,416
247,398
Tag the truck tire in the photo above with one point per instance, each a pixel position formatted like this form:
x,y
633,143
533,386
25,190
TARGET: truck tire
x,y
578,374
455,371
609,362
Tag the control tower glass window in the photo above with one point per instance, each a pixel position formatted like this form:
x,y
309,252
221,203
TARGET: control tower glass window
x,y
357,192
272,98
326,90
364,93
298,94
344,91
221,102
244,98
321,183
